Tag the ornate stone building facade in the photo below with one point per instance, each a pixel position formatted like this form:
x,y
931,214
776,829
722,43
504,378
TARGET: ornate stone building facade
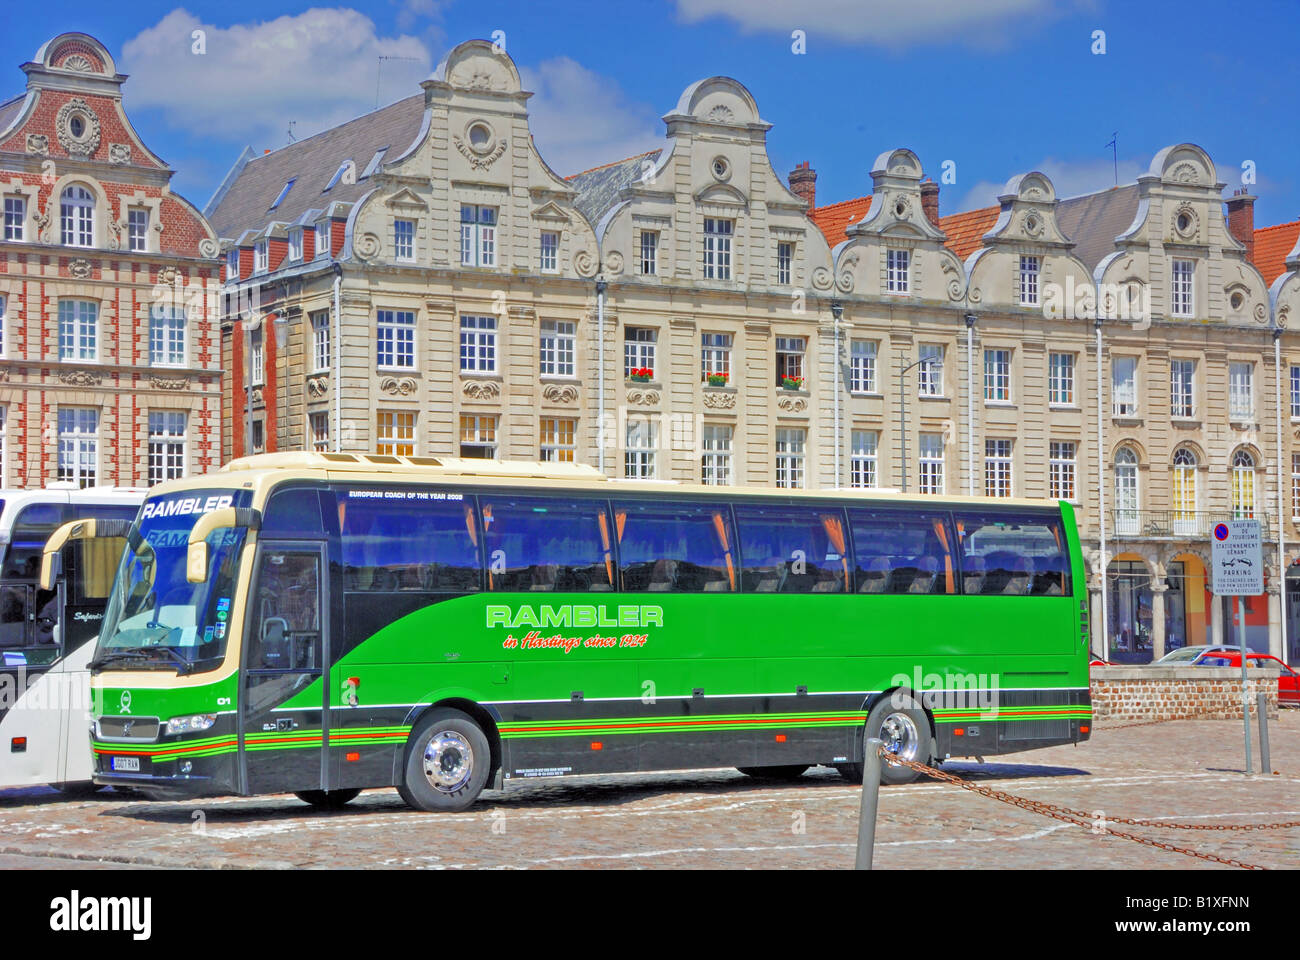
x,y
685,315
109,364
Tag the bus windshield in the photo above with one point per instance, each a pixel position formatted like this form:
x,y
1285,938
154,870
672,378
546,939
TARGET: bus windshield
x,y
155,618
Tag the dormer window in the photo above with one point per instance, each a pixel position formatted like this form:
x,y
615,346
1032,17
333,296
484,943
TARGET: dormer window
x,y
295,244
1029,270
283,193
322,239
259,257
373,166
346,173
232,265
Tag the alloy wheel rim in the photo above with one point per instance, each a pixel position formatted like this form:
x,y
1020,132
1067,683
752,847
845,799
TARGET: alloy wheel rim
x,y
448,761
900,735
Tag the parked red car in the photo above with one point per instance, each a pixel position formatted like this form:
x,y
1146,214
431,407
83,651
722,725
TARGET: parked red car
x,y
1288,683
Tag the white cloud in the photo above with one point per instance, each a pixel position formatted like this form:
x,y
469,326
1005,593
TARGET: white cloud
x,y
1070,177
887,23
581,119
316,69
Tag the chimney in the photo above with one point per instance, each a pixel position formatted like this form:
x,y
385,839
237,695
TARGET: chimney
x,y
803,184
930,200
1241,221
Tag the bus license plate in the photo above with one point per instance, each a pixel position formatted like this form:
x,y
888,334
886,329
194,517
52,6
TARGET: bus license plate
x,y
126,763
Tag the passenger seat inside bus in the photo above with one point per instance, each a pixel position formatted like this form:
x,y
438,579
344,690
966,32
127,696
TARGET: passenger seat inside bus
x,y
771,576
874,579
973,575
663,576
1049,576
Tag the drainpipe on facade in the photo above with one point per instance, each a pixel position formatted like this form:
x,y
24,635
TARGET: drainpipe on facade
x,y
1101,499
970,404
337,358
600,374
1280,653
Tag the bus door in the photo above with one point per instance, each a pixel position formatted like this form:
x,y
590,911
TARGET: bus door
x,y
29,634
283,720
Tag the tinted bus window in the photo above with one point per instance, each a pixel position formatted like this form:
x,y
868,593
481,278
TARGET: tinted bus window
x,y
792,549
292,513
897,551
532,543
681,547
32,527
394,540
1009,554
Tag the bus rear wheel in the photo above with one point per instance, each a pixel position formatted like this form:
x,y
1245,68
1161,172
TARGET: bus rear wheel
x,y
900,722
447,763
327,799
792,772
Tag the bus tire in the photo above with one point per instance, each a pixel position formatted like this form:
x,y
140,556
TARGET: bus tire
x,y
791,772
448,760
328,799
902,724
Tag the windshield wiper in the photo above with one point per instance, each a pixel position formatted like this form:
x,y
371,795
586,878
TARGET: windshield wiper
x,y
182,665
99,662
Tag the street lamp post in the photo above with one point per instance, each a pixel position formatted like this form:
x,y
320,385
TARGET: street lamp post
x,y
902,411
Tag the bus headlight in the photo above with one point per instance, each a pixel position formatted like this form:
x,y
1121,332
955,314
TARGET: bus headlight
x,y
191,724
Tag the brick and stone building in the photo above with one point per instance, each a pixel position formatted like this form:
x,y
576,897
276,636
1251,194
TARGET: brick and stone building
x,y
109,358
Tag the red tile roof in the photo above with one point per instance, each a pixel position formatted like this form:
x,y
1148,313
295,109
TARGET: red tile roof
x,y
834,219
964,230
1272,244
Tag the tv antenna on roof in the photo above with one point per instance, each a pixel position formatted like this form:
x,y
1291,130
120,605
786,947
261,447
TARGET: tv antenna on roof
x,y
380,69
1114,154
289,134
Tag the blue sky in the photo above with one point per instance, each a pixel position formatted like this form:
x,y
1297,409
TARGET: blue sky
x,y
998,87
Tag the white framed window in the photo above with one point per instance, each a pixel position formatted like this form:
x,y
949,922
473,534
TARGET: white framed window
x,y
404,240
556,439
548,256
641,450
897,270
395,433
1123,386
789,359
257,357
15,219
717,248
715,454
862,366
639,350
320,432
166,445
1127,517
232,265
1060,379
1241,391
649,252
395,339
997,375
78,445
478,436
295,244
322,240
167,336
1181,296
997,468
320,341
478,344
558,347
478,236
137,229
930,463
1061,468
1184,492
1029,270
790,446
1243,486
1295,392
929,373
784,262
261,261
863,458
78,330
1182,382
715,356
77,216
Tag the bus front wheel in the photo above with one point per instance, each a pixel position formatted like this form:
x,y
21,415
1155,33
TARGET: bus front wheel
x,y
899,721
447,763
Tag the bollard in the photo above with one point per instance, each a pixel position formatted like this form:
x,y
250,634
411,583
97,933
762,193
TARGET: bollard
x,y
870,800
1265,767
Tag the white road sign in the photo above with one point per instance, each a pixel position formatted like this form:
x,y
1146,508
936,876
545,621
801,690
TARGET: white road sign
x,y
1236,559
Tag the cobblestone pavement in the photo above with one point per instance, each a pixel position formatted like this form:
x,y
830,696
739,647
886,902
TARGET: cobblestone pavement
x,y
1188,770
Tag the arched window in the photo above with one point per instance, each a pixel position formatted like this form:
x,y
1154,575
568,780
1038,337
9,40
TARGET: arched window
x,y
1184,493
1243,485
1126,492
77,216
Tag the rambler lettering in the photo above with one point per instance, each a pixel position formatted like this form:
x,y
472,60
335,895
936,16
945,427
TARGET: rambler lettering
x,y
577,615
184,505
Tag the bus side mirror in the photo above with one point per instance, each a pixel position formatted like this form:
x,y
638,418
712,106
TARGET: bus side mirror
x,y
51,567
196,562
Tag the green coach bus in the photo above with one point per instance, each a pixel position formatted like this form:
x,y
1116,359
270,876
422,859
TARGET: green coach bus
x,y
322,623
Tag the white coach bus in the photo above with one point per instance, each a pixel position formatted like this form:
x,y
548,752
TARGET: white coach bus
x,y
45,635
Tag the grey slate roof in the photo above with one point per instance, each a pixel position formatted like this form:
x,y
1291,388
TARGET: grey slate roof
x,y
598,188
9,110
243,203
1094,220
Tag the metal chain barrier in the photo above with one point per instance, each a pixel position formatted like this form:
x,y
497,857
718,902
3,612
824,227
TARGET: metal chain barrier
x,y
1081,818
